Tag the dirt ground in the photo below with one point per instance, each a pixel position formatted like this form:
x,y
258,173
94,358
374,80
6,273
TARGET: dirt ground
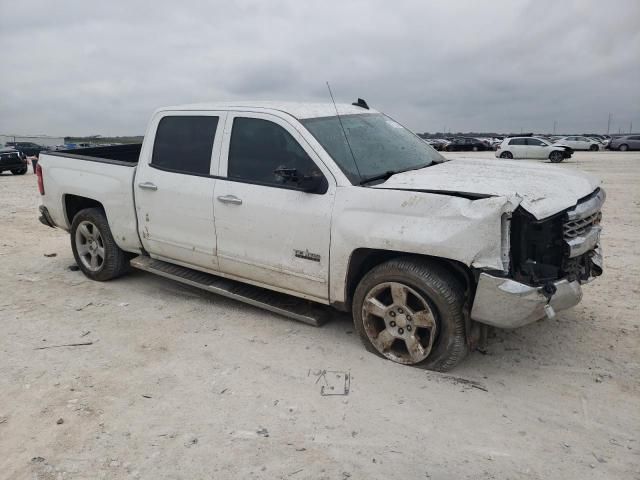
x,y
179,384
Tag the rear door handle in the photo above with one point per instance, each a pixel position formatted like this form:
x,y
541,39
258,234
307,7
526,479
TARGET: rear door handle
x,y
148,186
230,199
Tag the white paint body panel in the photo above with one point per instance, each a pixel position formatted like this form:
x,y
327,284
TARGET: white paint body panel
x,y
109,184
543,189
177,220
257,239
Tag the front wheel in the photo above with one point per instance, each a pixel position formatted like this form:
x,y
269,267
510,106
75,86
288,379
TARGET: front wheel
x,y
594,148
624,147
19,171
411,311
94,248
556,157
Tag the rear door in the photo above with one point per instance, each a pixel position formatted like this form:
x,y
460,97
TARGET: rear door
x,y
634,142
518,147
174,188
269,231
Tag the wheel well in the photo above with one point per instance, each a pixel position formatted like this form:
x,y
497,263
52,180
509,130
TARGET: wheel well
x,y
364,259
74,203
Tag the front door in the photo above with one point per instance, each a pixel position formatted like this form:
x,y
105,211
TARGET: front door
x,y
269,230
174,188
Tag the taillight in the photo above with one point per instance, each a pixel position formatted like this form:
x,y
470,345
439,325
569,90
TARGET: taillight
x,y
40,181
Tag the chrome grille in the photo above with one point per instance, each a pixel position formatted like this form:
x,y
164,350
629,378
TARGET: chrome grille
x,y
580,226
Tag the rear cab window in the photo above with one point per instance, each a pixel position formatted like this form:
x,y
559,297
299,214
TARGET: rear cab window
x,y
184,144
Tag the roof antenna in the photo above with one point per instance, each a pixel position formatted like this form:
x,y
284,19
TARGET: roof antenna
x,y
361,103
344,132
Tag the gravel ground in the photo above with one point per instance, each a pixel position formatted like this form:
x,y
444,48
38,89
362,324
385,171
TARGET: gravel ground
x,y
183,384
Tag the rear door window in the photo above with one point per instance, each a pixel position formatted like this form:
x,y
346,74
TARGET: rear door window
x,y
518,141
184,144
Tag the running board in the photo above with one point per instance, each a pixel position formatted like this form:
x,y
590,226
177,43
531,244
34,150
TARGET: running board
x,y
286,305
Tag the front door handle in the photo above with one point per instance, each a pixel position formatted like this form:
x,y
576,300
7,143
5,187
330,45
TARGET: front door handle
x,y
230,199
148,186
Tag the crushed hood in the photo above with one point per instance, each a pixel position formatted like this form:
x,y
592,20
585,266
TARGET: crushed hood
x,y
542,190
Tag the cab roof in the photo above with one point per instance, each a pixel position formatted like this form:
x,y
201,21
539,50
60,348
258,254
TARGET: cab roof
x,y
299,110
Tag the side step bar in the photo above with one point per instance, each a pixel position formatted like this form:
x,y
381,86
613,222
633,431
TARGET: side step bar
x,y
286,305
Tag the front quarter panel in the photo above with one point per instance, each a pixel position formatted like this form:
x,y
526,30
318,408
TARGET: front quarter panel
x,y
438,225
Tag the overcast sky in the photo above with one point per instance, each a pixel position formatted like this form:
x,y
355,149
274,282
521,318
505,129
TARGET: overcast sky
x,y
88,67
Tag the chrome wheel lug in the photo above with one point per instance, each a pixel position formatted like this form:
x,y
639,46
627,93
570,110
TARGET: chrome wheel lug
x,y
392,323
408,328
408,318
392,314
401,331
400,310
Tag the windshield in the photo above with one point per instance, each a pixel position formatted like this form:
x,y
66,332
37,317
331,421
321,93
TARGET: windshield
x,y
379,144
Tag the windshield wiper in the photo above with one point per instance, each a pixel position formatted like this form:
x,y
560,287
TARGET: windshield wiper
x,y
383,176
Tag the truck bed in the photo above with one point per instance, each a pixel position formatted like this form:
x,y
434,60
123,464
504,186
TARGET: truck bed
x,y
102,174
127,154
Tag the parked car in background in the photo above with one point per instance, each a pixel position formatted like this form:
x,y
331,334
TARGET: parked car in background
x,y
438,143
466,144
627,142
11,159
579,143
532,147
29,149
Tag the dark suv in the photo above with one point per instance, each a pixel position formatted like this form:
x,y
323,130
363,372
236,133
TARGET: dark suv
x,y
11,159
30,149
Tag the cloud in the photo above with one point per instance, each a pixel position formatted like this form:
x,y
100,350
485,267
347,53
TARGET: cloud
x,y
79,67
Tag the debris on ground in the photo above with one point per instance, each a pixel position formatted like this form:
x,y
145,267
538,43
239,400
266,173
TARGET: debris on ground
x,y
65,345
50,255
146,395
263,431
85,333
332,382
74,268
60,421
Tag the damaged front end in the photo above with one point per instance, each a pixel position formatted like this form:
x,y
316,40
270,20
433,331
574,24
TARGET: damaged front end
x,y
549,259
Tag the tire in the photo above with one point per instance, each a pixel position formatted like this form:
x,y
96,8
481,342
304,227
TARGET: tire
x,y
475,149
506,155
624,147
594,148
19,171
556,157
91,237
433,312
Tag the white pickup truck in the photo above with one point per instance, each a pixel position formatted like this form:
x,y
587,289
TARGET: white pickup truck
x,y
296,207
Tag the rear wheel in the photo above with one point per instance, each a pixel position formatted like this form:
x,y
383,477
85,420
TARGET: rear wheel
x,y
19,171
624,147
411,311
556,157
475,148
594,148
94,248
506,155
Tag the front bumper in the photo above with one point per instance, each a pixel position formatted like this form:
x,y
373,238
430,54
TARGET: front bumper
x,y
505,303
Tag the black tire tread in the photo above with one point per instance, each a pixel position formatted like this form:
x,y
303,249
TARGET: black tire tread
x,y
116,262
444,284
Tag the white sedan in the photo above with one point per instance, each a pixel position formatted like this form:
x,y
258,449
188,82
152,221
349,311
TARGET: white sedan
x,y
579,143
532,147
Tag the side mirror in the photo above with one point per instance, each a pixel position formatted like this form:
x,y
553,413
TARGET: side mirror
x,y
306,183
